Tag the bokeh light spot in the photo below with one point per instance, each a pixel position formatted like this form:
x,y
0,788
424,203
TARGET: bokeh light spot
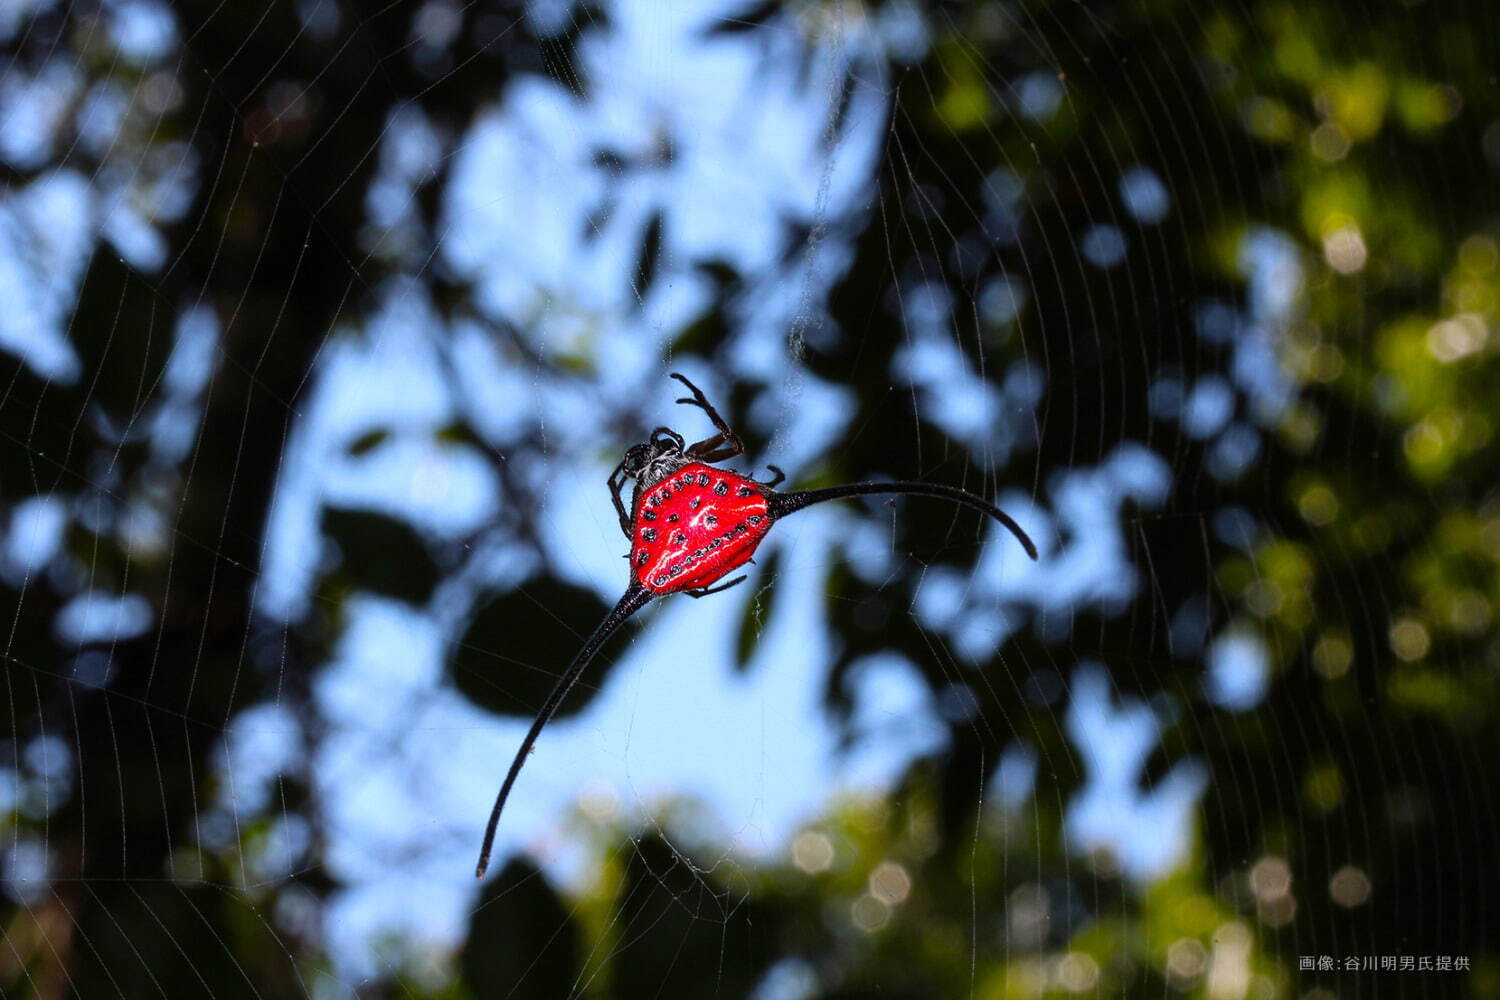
x,y
890,883
1349,886
1330,143
1077,972
1409,639
1345,250
812,852
868,913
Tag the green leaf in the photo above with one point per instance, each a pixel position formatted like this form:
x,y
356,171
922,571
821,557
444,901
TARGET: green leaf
x,y
161,939
367,442
514,649
123,331
382,554
690,936
523,942
461,432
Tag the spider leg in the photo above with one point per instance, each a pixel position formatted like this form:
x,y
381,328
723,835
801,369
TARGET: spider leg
x,y
635,598
668,433
700,401
725,439
714,590
715,450
616,484
780,476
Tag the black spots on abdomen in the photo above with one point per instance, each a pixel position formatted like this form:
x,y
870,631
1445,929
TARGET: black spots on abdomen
x,y
690,560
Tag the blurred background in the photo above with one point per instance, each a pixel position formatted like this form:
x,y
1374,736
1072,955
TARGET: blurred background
x,y
324,323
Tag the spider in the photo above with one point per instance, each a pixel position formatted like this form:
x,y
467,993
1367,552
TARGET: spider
x,y
690,525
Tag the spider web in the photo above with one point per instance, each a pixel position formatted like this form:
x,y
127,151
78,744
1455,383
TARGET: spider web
x,y
328,326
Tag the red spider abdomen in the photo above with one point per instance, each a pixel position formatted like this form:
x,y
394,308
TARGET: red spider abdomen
x,y
694,526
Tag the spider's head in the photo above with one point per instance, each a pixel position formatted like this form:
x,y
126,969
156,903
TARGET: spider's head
x,y
656,458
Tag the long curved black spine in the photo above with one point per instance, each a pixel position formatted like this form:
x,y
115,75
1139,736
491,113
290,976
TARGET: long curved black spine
x,y
782,504
636,597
